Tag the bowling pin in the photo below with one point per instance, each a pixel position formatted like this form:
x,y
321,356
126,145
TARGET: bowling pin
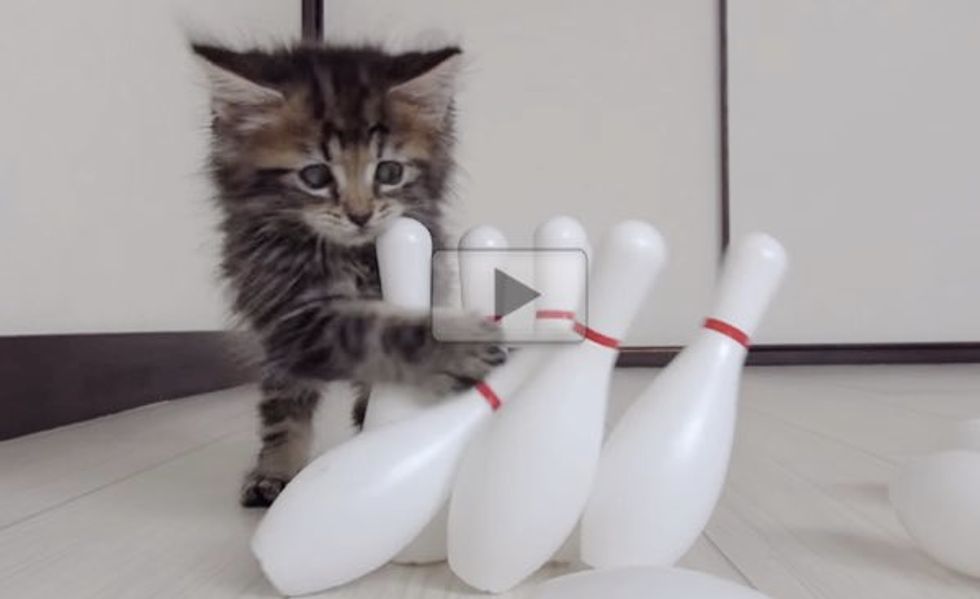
x,y
663,466
524,482
476,272
355,507
558,278
481,253
642,583
405,268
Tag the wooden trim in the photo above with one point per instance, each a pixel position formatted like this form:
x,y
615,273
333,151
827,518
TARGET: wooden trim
x,y
312,20
824,354
52,380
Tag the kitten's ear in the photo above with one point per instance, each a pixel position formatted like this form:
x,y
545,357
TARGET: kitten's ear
x,y
233,93
428,82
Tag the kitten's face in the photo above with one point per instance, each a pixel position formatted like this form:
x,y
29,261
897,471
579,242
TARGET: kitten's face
x,y
341,140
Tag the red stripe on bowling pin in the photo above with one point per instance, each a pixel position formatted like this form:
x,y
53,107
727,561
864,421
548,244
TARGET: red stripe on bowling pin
x,y
555,315
596,337
488,394
727,330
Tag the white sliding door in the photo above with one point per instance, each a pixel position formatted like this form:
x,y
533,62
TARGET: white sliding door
x,y
855,138
106,222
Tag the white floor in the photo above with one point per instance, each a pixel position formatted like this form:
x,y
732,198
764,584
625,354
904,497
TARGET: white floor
x,y
142,504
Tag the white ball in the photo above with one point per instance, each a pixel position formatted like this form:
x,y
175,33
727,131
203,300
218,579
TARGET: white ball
x,y
642,582
937,498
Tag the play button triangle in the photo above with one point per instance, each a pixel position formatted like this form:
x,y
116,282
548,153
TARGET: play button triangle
x,y
509,294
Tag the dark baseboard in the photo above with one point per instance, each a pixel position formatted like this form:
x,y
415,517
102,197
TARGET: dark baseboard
x,y
825,354
52,380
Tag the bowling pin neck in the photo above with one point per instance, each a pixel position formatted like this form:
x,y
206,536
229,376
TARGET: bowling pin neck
x,y
503,381
480,256
560,272
753,270
595,337
721,330
626,266
559,315
489,395
404,252
557,324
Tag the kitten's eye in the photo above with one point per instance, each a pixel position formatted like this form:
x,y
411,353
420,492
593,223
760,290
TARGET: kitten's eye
x,y
388,172
316,176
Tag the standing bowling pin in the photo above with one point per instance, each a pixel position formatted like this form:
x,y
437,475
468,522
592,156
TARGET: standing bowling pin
x,y
524,482
405,269
561,277
480,255
560,280
476,272
663,467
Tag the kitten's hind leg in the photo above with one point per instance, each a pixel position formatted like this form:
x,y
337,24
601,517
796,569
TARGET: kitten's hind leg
x,y
286,413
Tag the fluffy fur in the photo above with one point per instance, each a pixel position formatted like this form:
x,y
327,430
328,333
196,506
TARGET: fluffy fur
x,y
314,150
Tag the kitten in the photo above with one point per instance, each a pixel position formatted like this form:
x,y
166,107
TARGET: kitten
x,y
314,150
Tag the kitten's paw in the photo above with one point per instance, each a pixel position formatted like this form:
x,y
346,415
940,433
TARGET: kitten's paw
x,y
260,490
453,325
459,366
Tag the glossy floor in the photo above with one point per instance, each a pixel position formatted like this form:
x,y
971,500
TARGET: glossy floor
x,y
142,504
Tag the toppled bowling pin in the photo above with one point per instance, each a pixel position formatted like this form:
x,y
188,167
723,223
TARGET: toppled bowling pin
x,y
355,507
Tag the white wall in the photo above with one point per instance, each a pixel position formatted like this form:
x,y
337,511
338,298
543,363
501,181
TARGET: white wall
x,y
105,223
854,139
601,110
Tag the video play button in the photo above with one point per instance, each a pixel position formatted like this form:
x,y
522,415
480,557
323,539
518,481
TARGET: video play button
x,y
509,294
509,286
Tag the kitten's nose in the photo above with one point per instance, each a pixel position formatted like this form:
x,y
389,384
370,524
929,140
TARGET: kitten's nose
x,y
359,218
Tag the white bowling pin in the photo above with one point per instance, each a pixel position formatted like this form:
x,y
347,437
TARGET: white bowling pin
x,y
559,280
642,583
477,266
476,273
523,484
559,277
405,268
663,466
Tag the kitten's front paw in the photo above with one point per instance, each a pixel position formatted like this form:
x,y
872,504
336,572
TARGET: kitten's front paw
x,y
260,490
459,366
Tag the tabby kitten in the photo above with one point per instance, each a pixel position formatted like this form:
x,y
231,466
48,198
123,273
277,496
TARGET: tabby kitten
x,y
314,150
